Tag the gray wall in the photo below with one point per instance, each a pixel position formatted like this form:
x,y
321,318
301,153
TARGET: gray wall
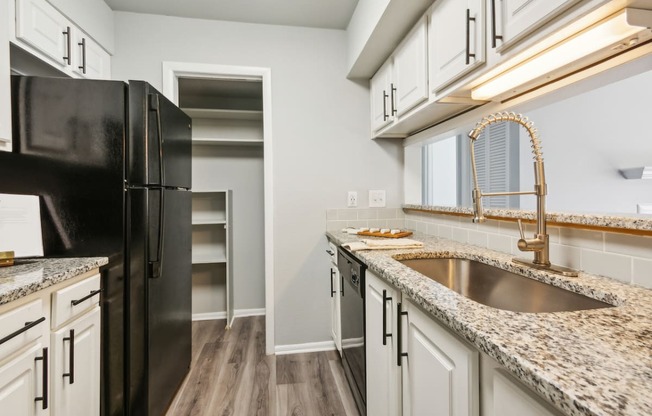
x,y
587,134
321,143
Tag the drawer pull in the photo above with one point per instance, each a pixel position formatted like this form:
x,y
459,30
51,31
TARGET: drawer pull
x,y
27,327
71,356
44,373
90,295
399,336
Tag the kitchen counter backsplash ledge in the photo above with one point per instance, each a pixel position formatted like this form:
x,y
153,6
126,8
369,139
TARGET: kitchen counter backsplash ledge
x,y
613,222
591,362
31,275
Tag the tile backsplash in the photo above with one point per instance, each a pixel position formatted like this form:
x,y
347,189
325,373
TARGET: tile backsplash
x,y
336,219
620,256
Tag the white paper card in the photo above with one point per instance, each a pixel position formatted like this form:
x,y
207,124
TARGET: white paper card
x,y
20,225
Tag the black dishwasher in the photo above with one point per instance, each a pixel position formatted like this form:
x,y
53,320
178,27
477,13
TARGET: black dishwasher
x,y
352,272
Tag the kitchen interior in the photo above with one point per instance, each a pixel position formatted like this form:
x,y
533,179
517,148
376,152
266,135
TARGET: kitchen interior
x,y
178,180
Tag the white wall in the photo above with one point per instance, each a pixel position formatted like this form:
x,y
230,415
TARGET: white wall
x,y
321,143
586,138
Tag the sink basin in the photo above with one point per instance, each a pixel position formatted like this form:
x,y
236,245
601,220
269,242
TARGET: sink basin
x,y
499,288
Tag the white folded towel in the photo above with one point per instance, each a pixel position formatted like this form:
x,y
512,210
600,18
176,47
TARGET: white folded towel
x,y
368,244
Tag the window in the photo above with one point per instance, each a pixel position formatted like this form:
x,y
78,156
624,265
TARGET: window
x,y
446,173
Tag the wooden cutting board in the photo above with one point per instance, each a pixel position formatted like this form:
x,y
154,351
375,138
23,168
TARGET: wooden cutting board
x,y
386,235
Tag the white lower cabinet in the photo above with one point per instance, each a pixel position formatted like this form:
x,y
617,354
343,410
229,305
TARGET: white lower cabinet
x,y
47,368
22,383
440,372
383,373
76,366
335,307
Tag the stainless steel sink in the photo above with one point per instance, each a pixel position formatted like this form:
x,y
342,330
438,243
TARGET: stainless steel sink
x,y
499,288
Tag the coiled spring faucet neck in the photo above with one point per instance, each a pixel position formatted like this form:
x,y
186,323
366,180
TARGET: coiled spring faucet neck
x,y
540,243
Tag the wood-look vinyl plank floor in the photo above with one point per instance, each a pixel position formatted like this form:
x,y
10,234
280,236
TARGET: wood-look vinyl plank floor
x,y
230,375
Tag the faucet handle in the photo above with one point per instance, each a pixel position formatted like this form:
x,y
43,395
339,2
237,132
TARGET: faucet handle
x,y
520,229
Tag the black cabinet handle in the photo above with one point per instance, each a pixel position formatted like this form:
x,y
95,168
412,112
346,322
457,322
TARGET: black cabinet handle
x,y
469,19
385,333
399,340
330,252
71,357
83,65
66,33
385,115
90,295
341,285
332,284
27,327
494,37
44,373
393,102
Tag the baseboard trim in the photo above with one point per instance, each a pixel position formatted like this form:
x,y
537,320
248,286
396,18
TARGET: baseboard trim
x,y
307,347
238,313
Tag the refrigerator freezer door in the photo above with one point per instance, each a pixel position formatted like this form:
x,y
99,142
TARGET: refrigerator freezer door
x,y
160,307
159,140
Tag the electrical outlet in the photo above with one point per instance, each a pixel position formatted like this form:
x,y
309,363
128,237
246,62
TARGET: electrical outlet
x,y
352,199
377,199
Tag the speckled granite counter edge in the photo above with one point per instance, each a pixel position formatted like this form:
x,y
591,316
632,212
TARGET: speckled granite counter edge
x,y
615,222
31,275
578,396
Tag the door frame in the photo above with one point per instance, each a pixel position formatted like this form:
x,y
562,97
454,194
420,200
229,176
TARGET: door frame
x,y
172,71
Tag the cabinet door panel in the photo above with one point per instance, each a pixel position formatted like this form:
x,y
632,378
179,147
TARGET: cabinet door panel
x,y
447,40
411,71
440,374
335,307
82,397
383,376
380,86
521,17
21,383
91,61
42,26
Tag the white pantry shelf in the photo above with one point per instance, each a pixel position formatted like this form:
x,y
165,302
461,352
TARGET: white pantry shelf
x,y
221,114
204,259
227,142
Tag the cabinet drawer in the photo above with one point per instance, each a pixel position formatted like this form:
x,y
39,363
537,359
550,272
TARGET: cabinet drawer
x,y
63,308
16,320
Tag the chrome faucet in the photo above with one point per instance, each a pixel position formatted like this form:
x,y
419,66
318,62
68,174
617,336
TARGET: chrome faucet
x,y
540,244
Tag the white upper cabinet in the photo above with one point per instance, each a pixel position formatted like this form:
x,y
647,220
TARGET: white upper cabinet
x,y
411,70
45,32
517,18
455,40
41,26
5,88
91,61
382,110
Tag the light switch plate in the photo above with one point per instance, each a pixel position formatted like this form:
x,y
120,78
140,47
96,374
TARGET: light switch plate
x,y
644,208
377,199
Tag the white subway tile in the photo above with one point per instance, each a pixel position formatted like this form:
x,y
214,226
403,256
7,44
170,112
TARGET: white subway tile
x,y
461,235
509,228
553,232
396,223
410,224
357,223
642,272
347,214
335,225
607,264
432,229
367,214
400,213
490,226
631,245
478,238
565,255
422,227
582,238
445,231
386,213
500,243
331,214
468,224
378,224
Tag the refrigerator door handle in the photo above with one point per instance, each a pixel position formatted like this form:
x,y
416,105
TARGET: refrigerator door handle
x,y
155,105
157,264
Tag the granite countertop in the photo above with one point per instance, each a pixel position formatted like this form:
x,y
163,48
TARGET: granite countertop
x,y
630,222
31,275
592,362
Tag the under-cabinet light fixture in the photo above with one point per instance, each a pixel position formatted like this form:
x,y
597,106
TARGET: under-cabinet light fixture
x,y
617,28
637,173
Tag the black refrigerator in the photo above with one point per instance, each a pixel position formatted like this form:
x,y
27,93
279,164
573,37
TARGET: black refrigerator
x,y
111,163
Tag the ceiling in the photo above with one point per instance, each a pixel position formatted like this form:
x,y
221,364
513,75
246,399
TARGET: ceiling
x,y
328,14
